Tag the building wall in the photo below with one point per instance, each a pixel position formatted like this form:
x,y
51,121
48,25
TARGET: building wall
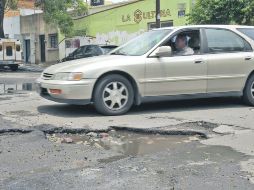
x,y
12,17
32,27
124,19
12,21
116,25
12,27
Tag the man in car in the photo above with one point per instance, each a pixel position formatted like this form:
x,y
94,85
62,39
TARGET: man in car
x,y
182,47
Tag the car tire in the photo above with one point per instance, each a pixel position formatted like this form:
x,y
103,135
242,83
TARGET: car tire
x,y
113,95
248,93
14,67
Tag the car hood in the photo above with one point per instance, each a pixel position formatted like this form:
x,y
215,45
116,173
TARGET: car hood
x,y
80,64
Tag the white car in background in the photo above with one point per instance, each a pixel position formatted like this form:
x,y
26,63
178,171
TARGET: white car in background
x,y
10,53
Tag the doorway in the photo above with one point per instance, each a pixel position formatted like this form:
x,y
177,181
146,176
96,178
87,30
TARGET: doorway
x,y
27,51
42,48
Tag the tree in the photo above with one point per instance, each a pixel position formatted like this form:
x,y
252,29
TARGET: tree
x,y
60,13
222,12
247,10
5,5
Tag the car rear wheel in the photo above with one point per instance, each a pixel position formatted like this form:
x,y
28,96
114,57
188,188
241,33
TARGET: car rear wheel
x,y
113,95
14,67
248,93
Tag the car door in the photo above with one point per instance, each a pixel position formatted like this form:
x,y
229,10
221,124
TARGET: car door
x,y
228,55
177,74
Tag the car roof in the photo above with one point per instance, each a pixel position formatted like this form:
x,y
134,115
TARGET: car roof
x,y
205,26
109,46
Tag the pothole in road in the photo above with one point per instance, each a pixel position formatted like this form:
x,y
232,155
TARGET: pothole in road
x,y
123,142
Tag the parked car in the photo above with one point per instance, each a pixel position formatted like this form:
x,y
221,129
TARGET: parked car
x,y
10,53
162,64
89,51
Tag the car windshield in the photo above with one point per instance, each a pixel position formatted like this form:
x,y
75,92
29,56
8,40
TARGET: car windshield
x,y
248,32
142,44
79,50
107,49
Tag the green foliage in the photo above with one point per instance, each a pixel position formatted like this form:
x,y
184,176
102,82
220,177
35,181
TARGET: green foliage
x,y
82,32
60,13
222,12
248,12
5,5
10,4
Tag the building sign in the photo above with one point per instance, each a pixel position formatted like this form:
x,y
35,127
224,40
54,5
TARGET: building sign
x,y
138,15
97,2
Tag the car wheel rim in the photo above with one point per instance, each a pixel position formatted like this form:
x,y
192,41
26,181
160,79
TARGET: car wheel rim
x,y
252,90
115,96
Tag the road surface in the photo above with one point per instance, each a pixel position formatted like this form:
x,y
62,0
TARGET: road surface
x,y
215,149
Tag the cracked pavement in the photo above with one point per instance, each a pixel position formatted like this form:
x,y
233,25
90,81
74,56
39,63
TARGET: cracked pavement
x,y
222,160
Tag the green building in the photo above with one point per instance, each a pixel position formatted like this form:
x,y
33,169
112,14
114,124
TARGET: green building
x,y
116,24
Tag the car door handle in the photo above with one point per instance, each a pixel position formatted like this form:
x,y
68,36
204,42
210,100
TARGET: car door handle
x,y
247,58
199,62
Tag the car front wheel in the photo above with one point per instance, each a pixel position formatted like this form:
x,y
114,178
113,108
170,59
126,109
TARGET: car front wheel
x,y
248,94
113,95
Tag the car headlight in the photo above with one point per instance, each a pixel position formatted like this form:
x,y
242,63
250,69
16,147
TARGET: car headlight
x,y
68,76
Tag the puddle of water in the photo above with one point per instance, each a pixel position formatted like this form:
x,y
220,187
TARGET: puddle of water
x,y
125,143
13,88
28,86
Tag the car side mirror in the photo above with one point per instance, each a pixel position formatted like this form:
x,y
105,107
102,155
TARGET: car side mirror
x,y
163,51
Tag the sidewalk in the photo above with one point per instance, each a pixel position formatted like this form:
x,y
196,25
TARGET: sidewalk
x,y
33,67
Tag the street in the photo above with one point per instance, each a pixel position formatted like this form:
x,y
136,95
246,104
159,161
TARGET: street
x,y
126,95
188,144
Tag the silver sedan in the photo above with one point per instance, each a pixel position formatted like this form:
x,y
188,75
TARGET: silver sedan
x,y
163,64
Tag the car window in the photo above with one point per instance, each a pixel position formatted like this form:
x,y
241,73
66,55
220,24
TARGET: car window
x,y
107,49
225,41
142,43
9,50
248,32
93,50
185,43
18,48
80,51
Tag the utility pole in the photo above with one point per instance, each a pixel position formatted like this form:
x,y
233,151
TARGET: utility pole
x,y
158,17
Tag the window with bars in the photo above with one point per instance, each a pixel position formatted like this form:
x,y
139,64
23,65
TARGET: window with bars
x,y
53,41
